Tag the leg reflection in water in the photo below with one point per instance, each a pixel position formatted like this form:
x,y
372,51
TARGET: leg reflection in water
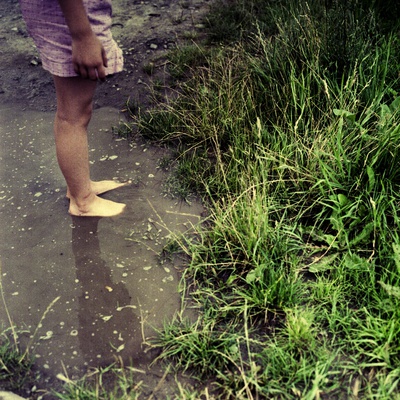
x,y
108,326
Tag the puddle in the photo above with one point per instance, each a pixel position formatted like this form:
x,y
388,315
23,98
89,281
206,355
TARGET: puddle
x,y
98,282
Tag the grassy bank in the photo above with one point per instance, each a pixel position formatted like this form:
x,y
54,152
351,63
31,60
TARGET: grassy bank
x,y
290,132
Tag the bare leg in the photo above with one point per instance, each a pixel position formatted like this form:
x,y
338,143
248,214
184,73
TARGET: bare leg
x,y
74,110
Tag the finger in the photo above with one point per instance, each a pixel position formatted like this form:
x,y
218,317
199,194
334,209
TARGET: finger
x,y
83,72
101,73
104,56
93,74
76,68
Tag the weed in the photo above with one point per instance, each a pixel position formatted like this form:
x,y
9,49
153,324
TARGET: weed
x,y
16,365
184,58
110,383
148,68
15,370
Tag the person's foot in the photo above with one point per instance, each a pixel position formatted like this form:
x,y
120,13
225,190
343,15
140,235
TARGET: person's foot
x,y
101,187
95,207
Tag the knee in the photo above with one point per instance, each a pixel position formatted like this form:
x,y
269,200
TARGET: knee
x,y
74,100
76,115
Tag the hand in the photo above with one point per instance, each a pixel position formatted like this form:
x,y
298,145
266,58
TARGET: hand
x,y
89,57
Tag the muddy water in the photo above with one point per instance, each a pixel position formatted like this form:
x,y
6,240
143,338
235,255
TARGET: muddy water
x,y
94,288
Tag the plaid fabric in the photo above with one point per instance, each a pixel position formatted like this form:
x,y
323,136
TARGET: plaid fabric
x,y
46,25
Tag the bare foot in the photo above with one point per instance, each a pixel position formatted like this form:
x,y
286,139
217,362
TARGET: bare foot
x,y
101,187
96,207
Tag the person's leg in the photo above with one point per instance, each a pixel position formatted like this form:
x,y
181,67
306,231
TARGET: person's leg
x,y
74,110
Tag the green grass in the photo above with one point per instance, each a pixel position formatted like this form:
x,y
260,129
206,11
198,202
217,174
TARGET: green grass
x,y
114,382
290,133
16,365
15,369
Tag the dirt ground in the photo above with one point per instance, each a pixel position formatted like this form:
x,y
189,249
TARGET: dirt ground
x,y
145,30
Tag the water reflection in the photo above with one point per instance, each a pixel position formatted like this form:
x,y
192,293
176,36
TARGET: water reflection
x,y
108,325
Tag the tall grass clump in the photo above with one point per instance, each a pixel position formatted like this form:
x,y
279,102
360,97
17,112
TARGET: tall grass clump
x,y
114,382
15,368
291,135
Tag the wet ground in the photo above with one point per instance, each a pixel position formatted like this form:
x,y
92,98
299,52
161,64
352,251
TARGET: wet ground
x,y
94,287
90,289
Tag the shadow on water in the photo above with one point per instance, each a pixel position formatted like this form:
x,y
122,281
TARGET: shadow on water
x,y
106,318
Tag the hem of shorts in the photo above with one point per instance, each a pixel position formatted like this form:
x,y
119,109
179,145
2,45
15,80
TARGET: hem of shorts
x,y
64,71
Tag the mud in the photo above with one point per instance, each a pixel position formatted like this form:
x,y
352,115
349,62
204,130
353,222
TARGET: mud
x,y
88,290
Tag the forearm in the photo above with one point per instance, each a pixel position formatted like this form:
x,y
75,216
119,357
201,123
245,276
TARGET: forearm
x,y
76,18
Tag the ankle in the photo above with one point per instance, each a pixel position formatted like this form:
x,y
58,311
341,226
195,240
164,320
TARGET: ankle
x,y
82,203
